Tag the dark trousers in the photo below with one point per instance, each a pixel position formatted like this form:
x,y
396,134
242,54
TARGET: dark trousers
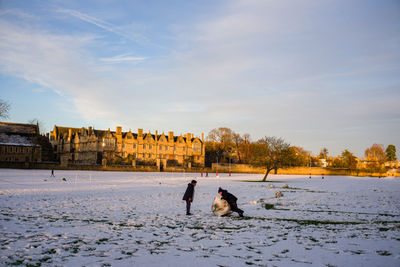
x,y
235,208
188,206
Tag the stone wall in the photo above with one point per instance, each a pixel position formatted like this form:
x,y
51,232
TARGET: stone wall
x,y
318,171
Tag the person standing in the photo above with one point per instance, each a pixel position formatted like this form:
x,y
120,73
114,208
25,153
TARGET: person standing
x,y
188,196
52,173
231,199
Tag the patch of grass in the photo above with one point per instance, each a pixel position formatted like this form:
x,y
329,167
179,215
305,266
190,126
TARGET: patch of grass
x,y
317,222
196,227
383,252
45,259
231,228
268,206
16,263
50,251
355,252
331,242
267,181
101,241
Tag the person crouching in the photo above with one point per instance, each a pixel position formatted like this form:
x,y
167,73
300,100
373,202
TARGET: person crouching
x,y
231,199
188,196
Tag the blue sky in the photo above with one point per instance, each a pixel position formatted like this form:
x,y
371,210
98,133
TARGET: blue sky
x,y
317,73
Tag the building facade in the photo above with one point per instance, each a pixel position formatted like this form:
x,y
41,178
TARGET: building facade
x,y
19,142
88,146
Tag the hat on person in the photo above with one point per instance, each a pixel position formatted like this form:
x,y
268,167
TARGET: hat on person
x,y
219,190
194,182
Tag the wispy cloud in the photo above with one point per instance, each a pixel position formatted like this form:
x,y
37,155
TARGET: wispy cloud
x,y
18,13
57,62
122,58
104,25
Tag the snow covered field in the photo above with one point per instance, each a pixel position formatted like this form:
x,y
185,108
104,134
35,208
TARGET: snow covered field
x,y
125,219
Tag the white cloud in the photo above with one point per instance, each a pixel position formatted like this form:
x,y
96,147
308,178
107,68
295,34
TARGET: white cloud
x,y
57,62
104,25
122,58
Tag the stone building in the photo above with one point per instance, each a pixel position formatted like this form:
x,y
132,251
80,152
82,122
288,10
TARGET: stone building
x,y
90,146
19,142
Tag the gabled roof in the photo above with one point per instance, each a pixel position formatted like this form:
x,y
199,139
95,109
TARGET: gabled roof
x,y
18,134
63,131
19,128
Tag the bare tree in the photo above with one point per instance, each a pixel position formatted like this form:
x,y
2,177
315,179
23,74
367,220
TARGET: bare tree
x,y
245,148
237,140
272,153
4,109
220,143
376,153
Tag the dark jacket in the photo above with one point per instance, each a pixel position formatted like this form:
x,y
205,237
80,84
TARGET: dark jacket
x,y
228,196
189,192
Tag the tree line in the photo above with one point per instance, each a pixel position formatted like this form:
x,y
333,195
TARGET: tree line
x,y
223,145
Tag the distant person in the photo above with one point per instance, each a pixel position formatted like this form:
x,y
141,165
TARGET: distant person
x,y
188,196
52,173
231,199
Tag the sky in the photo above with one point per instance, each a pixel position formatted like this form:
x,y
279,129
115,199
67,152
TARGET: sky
x,y
316,73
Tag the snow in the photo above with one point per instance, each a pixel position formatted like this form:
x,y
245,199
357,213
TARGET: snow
x,y
15,140
126,218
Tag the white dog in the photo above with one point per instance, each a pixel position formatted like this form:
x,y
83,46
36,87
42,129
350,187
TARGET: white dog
x,y
220,207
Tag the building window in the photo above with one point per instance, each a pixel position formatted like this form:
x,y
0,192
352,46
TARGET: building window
x,y
196,147
174,148
166,148
134,145
150,147
160,147
144,146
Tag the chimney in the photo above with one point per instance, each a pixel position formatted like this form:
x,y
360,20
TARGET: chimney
x,y
119,130
69,134
90,130
140,132
156,135
202,137
170,136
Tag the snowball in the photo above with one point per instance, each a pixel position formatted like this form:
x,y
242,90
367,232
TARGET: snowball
x,y
220,207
